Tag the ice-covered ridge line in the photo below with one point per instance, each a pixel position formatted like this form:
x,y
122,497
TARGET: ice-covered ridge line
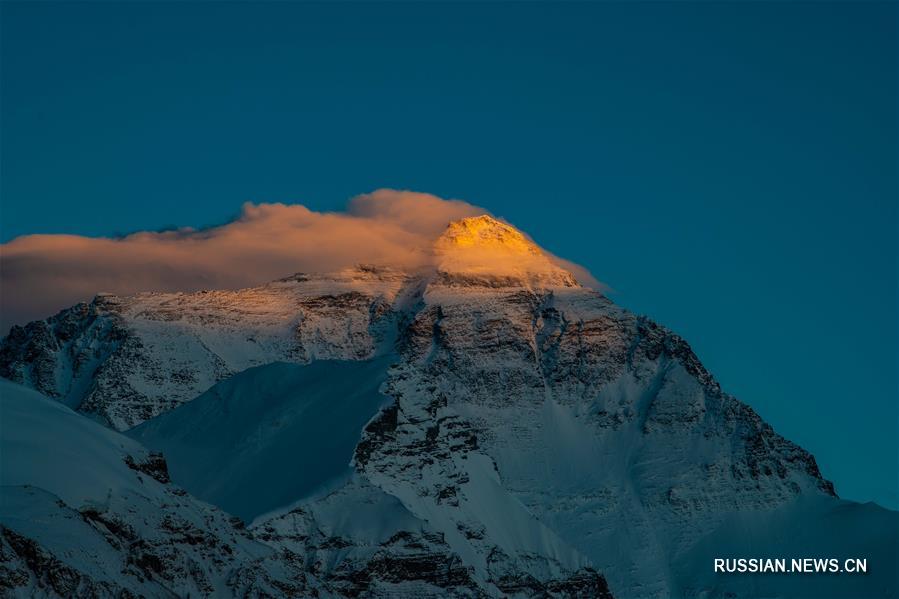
x,y
128,358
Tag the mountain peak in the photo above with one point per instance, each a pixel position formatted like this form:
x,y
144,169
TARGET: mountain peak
x,y
482,250
486,232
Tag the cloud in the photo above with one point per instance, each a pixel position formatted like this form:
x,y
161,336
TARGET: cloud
x,y
420,212
41,274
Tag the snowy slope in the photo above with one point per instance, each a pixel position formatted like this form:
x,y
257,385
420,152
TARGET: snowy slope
x,y
127,359
67,454
85,511
371,543
270,435
603,425
243,445
809,527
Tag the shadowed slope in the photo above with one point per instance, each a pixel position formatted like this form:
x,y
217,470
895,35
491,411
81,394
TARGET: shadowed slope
x,y
270,435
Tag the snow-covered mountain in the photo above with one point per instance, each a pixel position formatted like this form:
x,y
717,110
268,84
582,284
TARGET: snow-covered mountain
x,y
533,439
87,512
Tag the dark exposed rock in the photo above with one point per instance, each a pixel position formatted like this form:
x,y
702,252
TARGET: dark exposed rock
x,y
25,563
379,430
153,465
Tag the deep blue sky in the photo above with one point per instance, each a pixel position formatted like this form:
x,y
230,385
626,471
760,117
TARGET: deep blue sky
x,y
730,169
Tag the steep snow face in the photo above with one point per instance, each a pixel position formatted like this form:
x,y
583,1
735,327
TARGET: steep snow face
x,y
270,435
127,359
602,425
484,251
67,454
87,512
372,544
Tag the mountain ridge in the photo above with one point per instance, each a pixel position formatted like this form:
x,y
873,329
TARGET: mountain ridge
x,y
531,424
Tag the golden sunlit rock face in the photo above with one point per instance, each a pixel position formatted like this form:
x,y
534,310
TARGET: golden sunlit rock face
x,y
486,233
483,250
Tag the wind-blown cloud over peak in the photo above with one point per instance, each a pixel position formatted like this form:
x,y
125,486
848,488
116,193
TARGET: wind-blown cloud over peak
x,y
422,213
42,274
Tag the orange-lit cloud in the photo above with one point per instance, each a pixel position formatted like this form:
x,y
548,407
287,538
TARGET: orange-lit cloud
x,y
41,274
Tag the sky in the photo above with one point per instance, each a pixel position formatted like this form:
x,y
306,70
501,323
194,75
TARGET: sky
x,y
729,169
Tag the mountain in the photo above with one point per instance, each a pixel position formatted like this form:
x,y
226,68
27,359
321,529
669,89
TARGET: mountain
x,y
87,512
533,438
125,360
